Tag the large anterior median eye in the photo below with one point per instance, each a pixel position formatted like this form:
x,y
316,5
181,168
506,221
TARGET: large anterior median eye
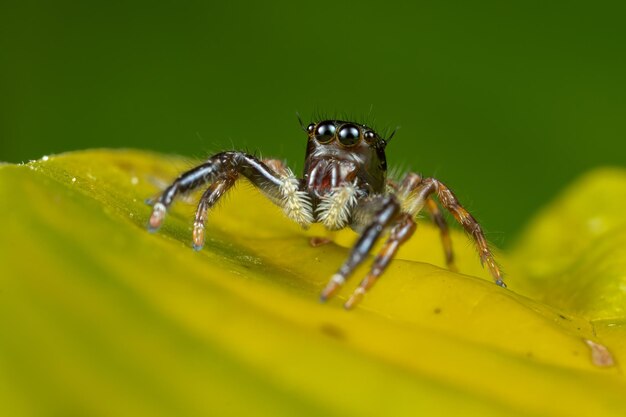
x,y
325,132
349,135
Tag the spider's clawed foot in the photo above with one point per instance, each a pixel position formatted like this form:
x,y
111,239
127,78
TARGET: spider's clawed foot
x,y
156,218
335,284
355,298
332,287
198,236
359,292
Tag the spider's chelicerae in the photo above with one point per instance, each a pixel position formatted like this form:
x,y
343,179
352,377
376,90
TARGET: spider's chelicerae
x,y
344,185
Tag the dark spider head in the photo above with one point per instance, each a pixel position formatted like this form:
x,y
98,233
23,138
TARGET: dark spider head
x,y
336,140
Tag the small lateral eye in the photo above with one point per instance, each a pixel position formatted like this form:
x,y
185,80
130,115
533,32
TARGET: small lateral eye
x,y
325,132
349,135
310,128
369,136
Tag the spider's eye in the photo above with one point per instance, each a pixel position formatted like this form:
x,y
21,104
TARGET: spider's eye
x,y
310,128
349,135
369,136
325,132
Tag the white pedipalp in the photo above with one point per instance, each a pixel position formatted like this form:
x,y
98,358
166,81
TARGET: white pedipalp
x,y
296,203
334,209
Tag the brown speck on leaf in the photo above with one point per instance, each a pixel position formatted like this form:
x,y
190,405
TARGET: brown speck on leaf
x,y
332,331
600,355
437,310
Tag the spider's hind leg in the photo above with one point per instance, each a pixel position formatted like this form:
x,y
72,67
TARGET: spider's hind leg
x,y
417,190
440,221
412,203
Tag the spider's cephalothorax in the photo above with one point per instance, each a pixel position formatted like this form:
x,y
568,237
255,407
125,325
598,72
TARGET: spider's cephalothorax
x,y
345,162
344,152
344,185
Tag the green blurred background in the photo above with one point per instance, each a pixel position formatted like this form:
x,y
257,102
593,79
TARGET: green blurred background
x,y
506,102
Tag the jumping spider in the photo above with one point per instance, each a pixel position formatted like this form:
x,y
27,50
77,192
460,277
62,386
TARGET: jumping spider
x,y
344,185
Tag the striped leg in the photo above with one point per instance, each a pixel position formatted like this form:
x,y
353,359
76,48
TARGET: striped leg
x,y
437,217
400,233
208,200
383,218
417,191
282,188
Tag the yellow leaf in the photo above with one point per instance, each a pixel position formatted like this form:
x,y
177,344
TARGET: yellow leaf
x,y
99,317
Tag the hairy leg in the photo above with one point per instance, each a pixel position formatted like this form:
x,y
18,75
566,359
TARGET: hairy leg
x,y
437,217
282,189
208,200
383,217
416,192
400,233
411,203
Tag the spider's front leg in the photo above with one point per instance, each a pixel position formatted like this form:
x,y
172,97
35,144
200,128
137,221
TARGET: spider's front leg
x,y
402,230
210,197
417,191
220,172
219,187
387,213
